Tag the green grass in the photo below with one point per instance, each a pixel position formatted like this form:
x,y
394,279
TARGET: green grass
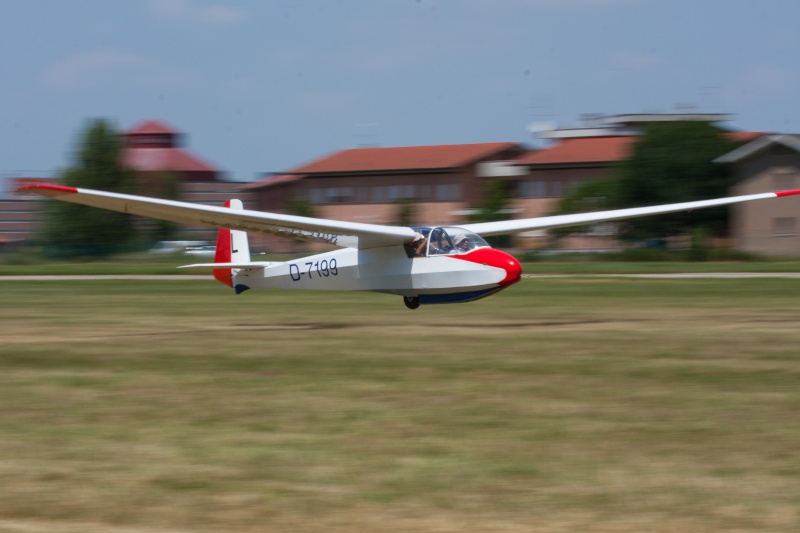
x,y
156,264
557,405
671,267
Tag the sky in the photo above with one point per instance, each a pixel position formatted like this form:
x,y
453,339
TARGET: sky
x,y
264,86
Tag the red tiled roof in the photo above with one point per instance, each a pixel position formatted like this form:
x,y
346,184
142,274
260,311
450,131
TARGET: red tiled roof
x,y
149,127
273,180
744,136
403,158
581,150
391,159
600,149
145,159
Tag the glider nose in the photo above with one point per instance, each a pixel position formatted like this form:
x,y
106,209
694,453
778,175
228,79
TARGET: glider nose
x,y
508,263
497,259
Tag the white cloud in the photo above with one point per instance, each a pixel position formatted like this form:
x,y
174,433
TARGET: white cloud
x,y
189,10
82,70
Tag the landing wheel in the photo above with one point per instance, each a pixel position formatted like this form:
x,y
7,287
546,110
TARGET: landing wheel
x,y
412,302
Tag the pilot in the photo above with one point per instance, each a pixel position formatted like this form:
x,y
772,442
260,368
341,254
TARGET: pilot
x,y
420,244
439,243
417,245
462,244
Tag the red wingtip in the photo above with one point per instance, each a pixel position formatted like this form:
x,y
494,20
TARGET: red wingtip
x,y
787,193
47,189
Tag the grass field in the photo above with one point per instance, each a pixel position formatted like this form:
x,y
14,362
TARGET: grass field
x,y
565,404
165,264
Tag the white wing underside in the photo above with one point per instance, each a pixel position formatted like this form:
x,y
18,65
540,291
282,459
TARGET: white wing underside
x,y
340,233
254,264
563,221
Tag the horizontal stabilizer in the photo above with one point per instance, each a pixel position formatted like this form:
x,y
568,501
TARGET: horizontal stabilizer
x,y
262,264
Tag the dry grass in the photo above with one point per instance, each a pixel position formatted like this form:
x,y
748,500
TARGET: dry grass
x,y
558,405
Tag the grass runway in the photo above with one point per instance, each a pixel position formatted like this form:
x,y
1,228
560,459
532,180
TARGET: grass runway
x,y
563,404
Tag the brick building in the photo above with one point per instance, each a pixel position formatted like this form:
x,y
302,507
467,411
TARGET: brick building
x,y
370,184
444,184
771,162
155,151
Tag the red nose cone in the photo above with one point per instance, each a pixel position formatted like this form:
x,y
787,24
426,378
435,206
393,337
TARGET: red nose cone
x,y
497,259
512,267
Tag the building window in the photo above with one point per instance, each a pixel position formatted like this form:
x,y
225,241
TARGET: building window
x,y
362,195
784,226
380,194
447,192
401,192
533,189
785,179
332,195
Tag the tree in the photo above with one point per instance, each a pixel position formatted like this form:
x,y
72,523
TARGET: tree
x,y
74,230
589,195
496,196
671,162
159,185
406,212
301,208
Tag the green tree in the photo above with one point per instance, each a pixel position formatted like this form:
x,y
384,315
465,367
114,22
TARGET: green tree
x,y
301,208
73,230
589,195
406,212
496,195
165,185
671,162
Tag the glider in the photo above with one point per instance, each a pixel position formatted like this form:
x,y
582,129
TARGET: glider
x,y
423,264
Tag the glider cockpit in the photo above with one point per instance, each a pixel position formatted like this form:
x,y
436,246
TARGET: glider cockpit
x,y
444,240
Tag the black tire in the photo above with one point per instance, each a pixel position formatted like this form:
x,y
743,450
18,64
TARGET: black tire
x,y
412,302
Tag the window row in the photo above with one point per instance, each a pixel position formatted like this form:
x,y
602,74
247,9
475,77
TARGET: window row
x,y
450,192
545,188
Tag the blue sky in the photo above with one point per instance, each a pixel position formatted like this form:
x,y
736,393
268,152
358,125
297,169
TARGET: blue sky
x,y
262,86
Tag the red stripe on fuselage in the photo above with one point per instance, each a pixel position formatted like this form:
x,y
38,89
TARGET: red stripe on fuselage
x,y
497,259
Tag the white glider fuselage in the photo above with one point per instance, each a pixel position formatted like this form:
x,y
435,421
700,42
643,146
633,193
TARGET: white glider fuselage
x,y
389,270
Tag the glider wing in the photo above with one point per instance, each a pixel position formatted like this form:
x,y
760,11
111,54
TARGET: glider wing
x,y
338,233
563,221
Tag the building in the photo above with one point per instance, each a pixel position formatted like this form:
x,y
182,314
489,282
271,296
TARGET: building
x,y
20,215
373,185
549,174
164,169
769,163
589,152
445,182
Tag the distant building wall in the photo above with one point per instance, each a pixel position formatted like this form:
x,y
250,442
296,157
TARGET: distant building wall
x,y
768,227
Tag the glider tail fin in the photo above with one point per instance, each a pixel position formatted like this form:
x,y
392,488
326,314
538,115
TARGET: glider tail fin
x,y
232,247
